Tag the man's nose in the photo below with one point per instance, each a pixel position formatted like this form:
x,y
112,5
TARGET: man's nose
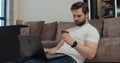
x,y
75,18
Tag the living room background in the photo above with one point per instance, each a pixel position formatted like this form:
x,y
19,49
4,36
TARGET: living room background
x,y
49,11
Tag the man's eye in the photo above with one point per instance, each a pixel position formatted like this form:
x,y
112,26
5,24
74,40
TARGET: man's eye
x,y
73,15
76,15
79,16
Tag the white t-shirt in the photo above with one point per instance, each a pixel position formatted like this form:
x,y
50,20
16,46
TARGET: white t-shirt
x,y
80,34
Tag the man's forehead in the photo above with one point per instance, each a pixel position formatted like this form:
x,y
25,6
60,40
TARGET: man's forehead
x,y
77,10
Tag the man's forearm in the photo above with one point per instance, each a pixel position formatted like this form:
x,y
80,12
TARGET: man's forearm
x,y
50,50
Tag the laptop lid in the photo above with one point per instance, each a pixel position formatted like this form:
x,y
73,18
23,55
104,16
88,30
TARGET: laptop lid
x,y
31,47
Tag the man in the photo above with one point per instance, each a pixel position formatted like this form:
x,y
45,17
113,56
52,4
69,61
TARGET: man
x,y
82,41
79,42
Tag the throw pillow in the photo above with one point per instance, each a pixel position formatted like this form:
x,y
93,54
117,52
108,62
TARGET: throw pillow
x,y
24,31
49,31
35,27
108,51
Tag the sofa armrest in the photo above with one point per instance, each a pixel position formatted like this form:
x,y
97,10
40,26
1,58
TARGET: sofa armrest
x,y
49,44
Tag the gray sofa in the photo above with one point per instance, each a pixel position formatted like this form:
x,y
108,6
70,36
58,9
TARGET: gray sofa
x,y
109,29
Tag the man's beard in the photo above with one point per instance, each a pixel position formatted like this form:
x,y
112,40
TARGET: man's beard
x,y
80,23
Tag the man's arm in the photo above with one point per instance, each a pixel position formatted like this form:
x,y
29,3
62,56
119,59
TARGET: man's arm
x,y
88,50
54,49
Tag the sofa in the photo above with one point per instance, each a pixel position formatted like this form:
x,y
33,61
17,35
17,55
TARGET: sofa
x,y
108,28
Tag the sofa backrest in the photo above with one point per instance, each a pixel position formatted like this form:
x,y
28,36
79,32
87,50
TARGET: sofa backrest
x,y
108,51
111,27
49,31
34,29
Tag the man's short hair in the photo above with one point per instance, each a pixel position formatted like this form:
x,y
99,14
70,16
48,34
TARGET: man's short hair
x,y
82,5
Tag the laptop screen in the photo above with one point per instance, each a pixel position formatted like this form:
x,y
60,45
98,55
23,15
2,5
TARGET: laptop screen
x,y
31,47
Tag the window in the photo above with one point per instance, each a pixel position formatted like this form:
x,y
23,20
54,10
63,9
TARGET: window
x,y
2,12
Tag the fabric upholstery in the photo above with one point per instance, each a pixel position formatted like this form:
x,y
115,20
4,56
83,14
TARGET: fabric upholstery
x,y
108,50
49,43
49,31
111,27
98,24
24,31
35,27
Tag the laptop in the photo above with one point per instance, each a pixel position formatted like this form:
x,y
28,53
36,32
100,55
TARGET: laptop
x,y
32,47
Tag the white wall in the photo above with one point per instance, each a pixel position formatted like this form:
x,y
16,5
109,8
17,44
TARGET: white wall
x,y
47,10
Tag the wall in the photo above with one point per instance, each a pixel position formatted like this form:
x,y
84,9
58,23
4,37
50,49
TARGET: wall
x,y
47,10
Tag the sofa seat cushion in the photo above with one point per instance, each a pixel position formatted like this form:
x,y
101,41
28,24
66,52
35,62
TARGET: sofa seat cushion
x,y
98,24
108,50
49,31
111,27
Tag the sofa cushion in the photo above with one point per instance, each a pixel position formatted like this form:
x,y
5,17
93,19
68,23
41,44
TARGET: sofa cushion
x,y
98,24
108,50
24,31
35,27
49,31
111,27
63,26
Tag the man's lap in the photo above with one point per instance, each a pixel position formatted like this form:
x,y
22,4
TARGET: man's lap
x,y
65,59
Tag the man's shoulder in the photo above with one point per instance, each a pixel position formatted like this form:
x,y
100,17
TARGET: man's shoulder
x,y
91,26
71,28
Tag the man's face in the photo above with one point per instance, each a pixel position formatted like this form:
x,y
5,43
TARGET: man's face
x,y
79,17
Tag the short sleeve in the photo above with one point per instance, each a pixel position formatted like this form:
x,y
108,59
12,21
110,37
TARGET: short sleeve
x,y
93,36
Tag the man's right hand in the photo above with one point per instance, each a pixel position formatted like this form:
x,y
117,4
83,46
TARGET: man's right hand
x,y
45,50
54,49
50,51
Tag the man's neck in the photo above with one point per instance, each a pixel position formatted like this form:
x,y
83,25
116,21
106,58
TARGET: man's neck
x,y
86,21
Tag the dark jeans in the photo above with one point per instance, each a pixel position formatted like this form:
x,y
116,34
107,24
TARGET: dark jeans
x,y
65,59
